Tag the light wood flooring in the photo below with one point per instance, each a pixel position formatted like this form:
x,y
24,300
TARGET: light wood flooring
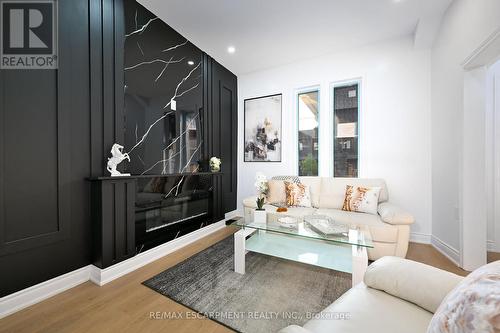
x,y
124,305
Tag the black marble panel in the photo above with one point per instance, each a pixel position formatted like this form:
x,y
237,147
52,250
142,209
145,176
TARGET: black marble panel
x,y
162,68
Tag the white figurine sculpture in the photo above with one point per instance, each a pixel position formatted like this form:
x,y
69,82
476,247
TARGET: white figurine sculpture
x,y
117,158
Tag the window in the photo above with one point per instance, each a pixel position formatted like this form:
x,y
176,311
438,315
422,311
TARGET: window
x,y
308,103
345,141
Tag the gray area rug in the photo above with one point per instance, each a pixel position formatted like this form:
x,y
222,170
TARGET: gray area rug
x,y
273,294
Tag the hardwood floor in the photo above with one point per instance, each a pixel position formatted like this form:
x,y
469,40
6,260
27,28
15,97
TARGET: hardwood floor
x,y
427,254
493,256
124,305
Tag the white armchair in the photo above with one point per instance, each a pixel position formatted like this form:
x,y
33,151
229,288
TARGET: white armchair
x,y
397,295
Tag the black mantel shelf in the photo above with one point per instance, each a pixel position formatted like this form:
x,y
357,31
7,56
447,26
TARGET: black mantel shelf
x,y
153,176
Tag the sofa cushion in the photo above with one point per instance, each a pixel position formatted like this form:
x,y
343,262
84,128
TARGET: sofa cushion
x,y
333,190
382,249
291,211
415,282
370,310
380,231
393,214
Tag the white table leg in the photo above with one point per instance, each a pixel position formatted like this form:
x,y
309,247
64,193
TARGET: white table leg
x,y
239,249
359,264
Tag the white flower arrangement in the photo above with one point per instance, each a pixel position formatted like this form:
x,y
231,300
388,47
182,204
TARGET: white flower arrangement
x,y
261,183
215,164
262,189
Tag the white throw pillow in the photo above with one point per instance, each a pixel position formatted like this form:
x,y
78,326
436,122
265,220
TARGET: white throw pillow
x,y
473,306
277,194
361,199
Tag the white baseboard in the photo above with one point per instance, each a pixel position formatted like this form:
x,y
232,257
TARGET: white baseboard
x,y
37,293
106,275
447,250
418,237
492,246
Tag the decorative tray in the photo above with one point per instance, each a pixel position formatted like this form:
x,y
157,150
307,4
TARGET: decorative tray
x,y
324,225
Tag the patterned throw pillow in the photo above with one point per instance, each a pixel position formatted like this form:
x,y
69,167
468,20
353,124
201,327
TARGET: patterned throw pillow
x,y
292,179
473,306
297,195
361,199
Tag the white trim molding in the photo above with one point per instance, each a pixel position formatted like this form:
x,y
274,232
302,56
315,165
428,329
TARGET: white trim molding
x,y
447,250
37,293
492,246
485,54
106,275
418,237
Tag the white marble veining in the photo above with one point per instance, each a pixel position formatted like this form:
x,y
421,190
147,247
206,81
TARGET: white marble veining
x,y
184,79
142,29
179,153
154,61
167,105
175,46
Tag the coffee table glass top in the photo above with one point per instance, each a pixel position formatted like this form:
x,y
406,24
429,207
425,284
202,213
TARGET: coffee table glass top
x,y
353,235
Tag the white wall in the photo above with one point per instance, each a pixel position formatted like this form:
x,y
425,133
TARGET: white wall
x,y
395,118
465,25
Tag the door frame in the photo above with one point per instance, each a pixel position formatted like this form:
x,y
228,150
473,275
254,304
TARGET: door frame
x,y
473,164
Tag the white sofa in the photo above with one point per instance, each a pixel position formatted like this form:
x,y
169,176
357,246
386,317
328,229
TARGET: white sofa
x,y
390,229
398,296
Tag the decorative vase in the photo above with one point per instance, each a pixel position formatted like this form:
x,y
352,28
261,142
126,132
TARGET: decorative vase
x,y
259,216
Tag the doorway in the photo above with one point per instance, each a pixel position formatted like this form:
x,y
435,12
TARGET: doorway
x,y
479,172
493,161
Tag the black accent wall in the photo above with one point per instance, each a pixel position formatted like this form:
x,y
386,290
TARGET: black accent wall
x,y
161,67
57,128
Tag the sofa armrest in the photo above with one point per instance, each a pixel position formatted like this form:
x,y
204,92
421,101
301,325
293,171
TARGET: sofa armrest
x,y
421,284
393,214
250,202
294,329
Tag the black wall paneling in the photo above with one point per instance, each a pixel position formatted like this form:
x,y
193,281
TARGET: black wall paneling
x,y
57,128
107,29
44,159
224,130
113,205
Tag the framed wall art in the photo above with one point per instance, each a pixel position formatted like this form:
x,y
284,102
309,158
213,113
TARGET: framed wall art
x,y
262,124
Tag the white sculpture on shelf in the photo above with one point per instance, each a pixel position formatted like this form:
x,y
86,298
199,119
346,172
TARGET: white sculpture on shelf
x,y
117,158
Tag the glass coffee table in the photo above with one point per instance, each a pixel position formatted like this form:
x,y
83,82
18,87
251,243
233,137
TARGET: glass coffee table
x,y
345,252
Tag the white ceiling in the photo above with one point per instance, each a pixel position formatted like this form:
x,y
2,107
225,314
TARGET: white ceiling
x,y
268,33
